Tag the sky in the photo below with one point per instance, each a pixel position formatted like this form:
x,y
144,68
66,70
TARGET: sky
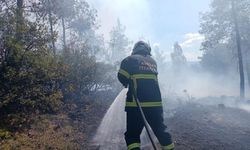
x,y
160,22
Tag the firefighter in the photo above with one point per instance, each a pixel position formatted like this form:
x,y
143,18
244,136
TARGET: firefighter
x,y
139,71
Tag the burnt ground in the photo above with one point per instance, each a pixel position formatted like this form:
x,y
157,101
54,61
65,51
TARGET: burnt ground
x,y
193,127
203,127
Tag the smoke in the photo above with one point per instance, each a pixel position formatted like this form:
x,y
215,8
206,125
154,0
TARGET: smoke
x,y
194,81
192,84
130,12
162,23
245,107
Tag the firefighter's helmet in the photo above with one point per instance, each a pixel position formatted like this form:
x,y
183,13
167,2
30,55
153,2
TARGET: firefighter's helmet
x,y
143,47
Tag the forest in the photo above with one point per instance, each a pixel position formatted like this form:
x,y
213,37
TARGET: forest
x,y
58,75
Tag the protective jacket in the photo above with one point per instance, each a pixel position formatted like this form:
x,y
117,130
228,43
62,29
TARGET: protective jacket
x,y
140,71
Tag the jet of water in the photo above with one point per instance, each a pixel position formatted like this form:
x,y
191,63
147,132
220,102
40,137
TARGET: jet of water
x,y
110,133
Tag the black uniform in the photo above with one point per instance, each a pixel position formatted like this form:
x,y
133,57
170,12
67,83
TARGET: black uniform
x,y
139,71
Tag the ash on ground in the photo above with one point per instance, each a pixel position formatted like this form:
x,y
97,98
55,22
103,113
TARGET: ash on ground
x,y
204,127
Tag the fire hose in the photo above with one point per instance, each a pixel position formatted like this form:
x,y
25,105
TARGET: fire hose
x,y
143,115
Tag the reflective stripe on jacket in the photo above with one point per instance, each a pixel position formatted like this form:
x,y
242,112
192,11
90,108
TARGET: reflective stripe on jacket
x,y
140,71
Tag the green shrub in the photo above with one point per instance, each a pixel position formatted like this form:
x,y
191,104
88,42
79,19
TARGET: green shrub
x,y
32,84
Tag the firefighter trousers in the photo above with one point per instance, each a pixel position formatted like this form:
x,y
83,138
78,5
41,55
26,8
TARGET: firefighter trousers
x,y
135,124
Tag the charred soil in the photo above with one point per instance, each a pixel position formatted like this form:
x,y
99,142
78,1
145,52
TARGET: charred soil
x,y
204,127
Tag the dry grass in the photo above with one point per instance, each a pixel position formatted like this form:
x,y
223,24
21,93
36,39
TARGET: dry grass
x,y
57,132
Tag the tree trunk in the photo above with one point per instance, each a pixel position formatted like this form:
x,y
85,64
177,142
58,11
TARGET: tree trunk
x,y
18,33
64,35
248,68
19,21
51,28
240,59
